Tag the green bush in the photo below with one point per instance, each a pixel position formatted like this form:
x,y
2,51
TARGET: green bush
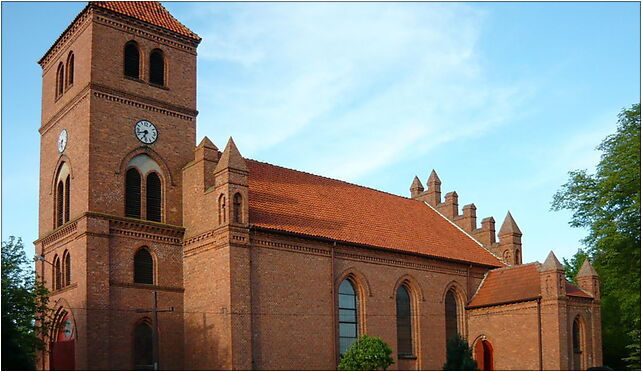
x,y
459,356
366,354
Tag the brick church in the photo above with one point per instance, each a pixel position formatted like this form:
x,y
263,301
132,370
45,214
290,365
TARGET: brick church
x,y
256,266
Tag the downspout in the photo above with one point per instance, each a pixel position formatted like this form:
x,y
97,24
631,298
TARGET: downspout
x,y
539,331
334,305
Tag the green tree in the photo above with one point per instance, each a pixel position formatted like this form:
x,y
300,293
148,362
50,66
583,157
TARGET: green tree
x,y
573,266
459,356
24,309
608,204
366,354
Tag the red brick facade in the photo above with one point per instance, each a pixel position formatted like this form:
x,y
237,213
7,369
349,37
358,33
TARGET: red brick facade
x,y
250,255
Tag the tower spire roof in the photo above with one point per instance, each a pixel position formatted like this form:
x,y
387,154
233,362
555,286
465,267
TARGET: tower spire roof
x,y
433,178
509,226
551,263
416,184
231,158
587,269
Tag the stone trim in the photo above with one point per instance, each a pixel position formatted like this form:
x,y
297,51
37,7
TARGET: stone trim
x,y
146,286
71,31
60,233
146,104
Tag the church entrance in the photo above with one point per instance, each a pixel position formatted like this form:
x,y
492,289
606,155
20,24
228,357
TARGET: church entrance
x,y
484,355
62,357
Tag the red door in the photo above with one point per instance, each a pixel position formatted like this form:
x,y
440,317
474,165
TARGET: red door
x,y
62,357
484,355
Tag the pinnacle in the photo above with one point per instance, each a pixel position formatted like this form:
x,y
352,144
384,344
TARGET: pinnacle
x,y
231,158
509,226
433,178
586,270
416,184
551,263
205,142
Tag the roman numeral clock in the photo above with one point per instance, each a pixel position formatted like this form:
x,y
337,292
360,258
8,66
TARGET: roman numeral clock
x,y
146,132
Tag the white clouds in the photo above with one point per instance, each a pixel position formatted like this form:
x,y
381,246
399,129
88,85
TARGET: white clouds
x,y
372,82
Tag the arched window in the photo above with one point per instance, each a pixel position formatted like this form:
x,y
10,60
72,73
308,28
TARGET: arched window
x,y
67,197
60,79
157,67
132,60
451,315
153,197
70,70
404,322
577,344
143,359
60,203
66,258
238,204
132,193
143,267
57,273
518,257
348,325
221,209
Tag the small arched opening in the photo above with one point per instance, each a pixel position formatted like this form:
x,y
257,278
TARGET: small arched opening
x,y
484,355
157,67
131,61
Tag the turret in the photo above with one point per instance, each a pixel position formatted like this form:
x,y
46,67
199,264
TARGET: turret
x,y
231,187
510,241
433,194
416,188
552,282
588,280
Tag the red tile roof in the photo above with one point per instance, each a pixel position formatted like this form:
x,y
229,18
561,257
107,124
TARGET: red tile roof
x,y
514,284
298,202
148,11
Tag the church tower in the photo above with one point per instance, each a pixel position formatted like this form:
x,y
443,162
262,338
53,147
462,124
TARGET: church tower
x,y
118,125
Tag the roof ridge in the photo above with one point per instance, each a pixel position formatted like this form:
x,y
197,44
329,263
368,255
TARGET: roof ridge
x,y
516,266
479,287
332,179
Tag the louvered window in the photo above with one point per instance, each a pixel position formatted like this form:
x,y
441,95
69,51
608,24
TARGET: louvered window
x,y
143,348
60,200
132,193
67,265
67,198
451,315
404,332
143,267
153,197
157,68
238,204
348,325
132,60
70,69
60,80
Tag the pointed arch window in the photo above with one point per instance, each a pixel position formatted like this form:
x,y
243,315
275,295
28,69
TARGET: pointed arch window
x,y
577,344
66,258
60,202
143,359
57,282
157,67
404,322
153,197
67,197
60,79
238,205
143,267
70,70
62,197
348,321
132,60
221,209
452,313
132,193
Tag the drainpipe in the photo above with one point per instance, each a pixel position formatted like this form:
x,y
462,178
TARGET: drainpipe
x,y
334,304
539,331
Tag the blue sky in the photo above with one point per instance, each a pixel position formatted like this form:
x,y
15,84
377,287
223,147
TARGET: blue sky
x,y
501,99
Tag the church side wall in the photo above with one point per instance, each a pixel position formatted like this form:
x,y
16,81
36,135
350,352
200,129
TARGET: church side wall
x,y
293,304
512,331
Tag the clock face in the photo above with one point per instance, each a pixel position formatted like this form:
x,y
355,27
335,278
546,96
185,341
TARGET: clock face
x,y
146,132
62,140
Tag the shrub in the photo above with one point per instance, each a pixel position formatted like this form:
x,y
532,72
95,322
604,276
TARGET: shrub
x,y
366,354
459,356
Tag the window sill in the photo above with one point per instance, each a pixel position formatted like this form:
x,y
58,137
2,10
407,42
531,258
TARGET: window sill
x,y
64,289
406,356
158,86
138,80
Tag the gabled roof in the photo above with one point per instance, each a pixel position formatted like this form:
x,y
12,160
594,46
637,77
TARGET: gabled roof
x,y
148,11
514,284
302,203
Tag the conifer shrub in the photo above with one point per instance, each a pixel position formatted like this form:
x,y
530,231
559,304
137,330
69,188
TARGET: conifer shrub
x,y
459,356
